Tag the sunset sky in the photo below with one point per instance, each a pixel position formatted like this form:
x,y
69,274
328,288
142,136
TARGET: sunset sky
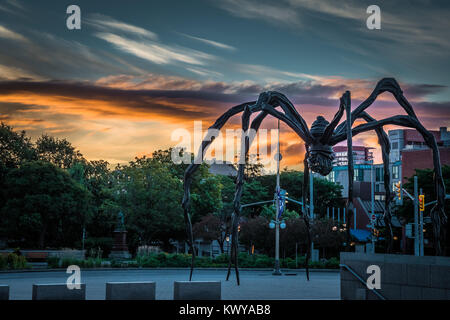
x,y
138,70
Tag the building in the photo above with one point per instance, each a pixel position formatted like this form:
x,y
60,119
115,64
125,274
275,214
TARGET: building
x,y
223,169
361,155
408,153
362,165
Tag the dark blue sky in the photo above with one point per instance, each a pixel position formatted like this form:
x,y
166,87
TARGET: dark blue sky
x,y
322,38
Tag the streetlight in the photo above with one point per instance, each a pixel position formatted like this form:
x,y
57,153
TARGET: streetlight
x,y
277,222
277,225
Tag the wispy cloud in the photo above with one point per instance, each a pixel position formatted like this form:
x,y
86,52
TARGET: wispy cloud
x,y
13,7
12,73
274,12
211,42
116,117
9,34
154,52
107,23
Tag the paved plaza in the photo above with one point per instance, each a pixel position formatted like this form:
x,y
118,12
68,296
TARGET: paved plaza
x,y
254,284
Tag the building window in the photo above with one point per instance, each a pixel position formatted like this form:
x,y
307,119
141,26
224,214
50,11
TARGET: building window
x,y
395,145
395,172
377,188
358,175
331,176
379,174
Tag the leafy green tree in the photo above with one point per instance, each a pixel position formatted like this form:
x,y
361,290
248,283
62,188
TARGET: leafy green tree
x,y
210,228
327,236
326,193
269,212
15,147
205,187
425,180
44,206
255,232
60,152
96,178
150,197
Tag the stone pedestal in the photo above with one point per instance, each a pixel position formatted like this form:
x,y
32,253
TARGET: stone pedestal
x,y
120,248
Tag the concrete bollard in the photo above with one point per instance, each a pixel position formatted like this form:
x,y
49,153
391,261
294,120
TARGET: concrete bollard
x,y
4,292
58,292
130,290
197,290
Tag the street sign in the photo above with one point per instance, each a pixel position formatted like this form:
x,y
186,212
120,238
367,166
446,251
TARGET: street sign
x,y
373,217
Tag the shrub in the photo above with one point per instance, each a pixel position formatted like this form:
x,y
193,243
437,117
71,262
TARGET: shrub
x,y
3,262
146,261
98,247
53,262
13,261
332,263
222,258
65,262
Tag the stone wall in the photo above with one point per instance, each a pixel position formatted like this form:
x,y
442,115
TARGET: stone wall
x,y
402,276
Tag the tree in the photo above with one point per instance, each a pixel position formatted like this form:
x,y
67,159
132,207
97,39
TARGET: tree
x,y
210,228
327,235
96,177
150,198
326,193
15,147
205,187
60,152
255,232
44,205
426,183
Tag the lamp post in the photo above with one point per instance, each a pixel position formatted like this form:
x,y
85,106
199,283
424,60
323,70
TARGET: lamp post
x,y
276,223
372,196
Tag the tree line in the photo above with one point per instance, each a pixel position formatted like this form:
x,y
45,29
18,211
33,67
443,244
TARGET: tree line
x,y
51,195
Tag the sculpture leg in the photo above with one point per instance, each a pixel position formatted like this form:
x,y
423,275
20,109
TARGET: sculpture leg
x,y
305,210
191,170
237,196
350,211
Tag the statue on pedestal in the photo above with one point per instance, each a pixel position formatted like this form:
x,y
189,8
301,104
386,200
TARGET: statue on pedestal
x,y
120,248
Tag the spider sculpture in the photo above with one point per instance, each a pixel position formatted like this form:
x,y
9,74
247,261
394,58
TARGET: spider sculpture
x,y
319,155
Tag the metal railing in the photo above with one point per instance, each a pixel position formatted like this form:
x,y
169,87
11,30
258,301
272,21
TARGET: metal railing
x,y
379,295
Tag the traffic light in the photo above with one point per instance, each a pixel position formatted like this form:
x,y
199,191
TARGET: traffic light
x,y
422,202
398,189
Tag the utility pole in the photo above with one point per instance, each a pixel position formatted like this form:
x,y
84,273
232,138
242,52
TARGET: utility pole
x,y
277,271
311,206
416,218
372,191
421,228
